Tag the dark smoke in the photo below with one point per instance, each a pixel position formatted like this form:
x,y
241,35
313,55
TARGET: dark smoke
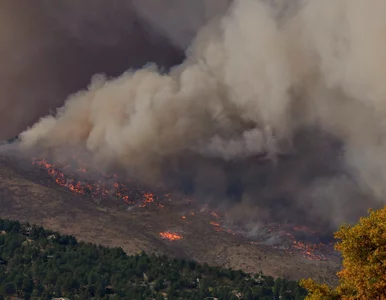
x,y
277,113
49,49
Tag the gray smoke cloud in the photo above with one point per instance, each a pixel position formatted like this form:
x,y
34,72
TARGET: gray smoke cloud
x,y
279,107
180,20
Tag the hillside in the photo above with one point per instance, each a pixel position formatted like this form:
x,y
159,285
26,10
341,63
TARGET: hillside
x,y
28,195
40,264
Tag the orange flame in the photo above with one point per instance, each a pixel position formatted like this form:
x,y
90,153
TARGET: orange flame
x,y
306,250
171,236
214,214
98,188
148,198
122,191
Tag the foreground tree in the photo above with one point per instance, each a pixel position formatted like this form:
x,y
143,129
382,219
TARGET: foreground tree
x,y
363,249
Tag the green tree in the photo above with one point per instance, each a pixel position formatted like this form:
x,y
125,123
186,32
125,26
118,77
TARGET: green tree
x,y
28,285
18,281
101,289
160,297
159,284
8,289
51,277
60,266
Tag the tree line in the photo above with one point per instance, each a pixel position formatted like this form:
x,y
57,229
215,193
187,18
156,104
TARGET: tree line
x,y
36,263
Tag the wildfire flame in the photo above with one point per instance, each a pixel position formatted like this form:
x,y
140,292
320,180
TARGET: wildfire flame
x,y
171,236
110,186
292,245
214,214
131,193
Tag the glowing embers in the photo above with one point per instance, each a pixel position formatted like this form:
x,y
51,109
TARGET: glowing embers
x,y
216,226
149,198
216,223
107,187
289,242
309,251
171,236
77,180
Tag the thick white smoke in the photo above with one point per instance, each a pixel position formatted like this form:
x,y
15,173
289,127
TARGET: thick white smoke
x,y
233,75
251,82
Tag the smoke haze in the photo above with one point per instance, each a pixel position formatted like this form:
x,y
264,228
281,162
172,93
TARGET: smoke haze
x,y
278,109
51,49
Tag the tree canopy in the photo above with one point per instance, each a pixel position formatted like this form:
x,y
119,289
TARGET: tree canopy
x,y
41,264
363,249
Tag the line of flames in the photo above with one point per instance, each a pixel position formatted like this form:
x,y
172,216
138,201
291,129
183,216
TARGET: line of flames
x,y
100,188
121,191
308,251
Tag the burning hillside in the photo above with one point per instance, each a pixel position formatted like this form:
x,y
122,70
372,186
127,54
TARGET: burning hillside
x,y
277,110
275,120
296,240
106,188
28,192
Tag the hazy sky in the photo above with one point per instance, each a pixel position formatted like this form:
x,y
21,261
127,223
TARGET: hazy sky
x,y
48,50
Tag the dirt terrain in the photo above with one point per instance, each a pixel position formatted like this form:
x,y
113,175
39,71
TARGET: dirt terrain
x,y
27,194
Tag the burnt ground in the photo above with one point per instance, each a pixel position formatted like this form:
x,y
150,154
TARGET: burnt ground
x,y
29,195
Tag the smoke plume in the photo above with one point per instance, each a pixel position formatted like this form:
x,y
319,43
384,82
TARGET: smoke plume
x,y
278,108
